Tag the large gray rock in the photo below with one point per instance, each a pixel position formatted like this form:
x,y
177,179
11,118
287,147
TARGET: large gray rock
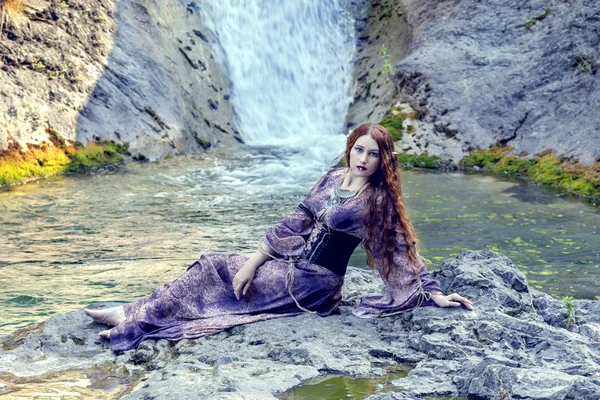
x,y
504,348
134,72
520,73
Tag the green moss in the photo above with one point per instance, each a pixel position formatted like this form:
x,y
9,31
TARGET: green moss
x,y
419,161
548,169
513,165
393,123
485,158
18,166
95,155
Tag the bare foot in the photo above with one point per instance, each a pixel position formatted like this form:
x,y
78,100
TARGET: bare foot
x,y
109,316
105,334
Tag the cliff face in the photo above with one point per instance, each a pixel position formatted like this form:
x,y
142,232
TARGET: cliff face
x,y
140,73
522,74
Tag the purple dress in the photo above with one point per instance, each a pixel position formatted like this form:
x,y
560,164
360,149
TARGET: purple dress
x,y
201,301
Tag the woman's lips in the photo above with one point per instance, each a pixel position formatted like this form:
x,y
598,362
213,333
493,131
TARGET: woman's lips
x,y
361,168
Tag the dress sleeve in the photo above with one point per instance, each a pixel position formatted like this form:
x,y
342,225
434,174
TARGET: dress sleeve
x,y
288,236
404,289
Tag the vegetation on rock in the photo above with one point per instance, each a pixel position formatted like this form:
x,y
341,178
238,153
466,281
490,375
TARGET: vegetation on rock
x,y
419,161
61,156
570,306
393,122
547,169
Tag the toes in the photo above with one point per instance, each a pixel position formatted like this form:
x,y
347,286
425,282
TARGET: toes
x,y
104,334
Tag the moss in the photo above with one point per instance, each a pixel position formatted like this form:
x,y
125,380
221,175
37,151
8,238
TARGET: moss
x,y
94,155
547,169
485,158
61,156
419,161
393,123
513,165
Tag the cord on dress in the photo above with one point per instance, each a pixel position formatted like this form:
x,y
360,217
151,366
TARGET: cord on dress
x,y
289,277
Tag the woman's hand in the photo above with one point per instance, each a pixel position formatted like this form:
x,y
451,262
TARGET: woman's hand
x,y
243,279
452,300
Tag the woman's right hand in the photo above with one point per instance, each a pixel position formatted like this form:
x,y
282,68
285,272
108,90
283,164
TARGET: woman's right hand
x,y
242,280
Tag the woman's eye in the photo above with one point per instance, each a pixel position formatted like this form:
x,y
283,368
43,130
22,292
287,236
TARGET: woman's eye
x,y
358,149
374,154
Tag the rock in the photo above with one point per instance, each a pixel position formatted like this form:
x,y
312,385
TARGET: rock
x,y
505,348
483,75
530,49
77,72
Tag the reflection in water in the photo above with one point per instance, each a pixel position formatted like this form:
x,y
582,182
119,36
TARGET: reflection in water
x,y
70,241
336,387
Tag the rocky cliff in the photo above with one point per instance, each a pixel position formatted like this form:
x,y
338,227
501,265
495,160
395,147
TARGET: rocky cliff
x,y
140,73
479,74
514,345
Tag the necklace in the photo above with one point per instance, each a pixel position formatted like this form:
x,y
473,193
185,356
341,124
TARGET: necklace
x,y
340,196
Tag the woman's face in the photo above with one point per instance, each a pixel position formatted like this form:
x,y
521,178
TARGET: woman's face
x,y
364,157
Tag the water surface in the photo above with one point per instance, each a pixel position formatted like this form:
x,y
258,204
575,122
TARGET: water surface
x,y
69,241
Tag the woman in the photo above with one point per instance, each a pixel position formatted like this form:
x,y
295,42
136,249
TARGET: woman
x,y
300,265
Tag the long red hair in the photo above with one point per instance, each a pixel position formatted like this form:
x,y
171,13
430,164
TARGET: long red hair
x,y
385,217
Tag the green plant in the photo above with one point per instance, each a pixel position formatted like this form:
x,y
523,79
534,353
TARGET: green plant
x,y
388,69
583,64
570,305
536,20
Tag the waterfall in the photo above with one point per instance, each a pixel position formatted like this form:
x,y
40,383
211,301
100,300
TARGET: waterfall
x,y
290,66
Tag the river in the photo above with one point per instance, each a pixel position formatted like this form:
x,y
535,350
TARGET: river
x,y
73,240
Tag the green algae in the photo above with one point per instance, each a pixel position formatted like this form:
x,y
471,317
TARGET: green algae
x,y
548,169
59,156
334,386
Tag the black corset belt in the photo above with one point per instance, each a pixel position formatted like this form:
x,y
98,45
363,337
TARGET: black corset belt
x,y
332,249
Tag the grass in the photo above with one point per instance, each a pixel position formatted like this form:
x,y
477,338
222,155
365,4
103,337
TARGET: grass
x,y
62,156
547,169
584,63
570,305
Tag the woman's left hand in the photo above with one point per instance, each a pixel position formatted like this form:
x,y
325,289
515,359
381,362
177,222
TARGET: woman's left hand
x,y
452,300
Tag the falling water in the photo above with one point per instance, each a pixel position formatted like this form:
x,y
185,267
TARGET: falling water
x,y
290,66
